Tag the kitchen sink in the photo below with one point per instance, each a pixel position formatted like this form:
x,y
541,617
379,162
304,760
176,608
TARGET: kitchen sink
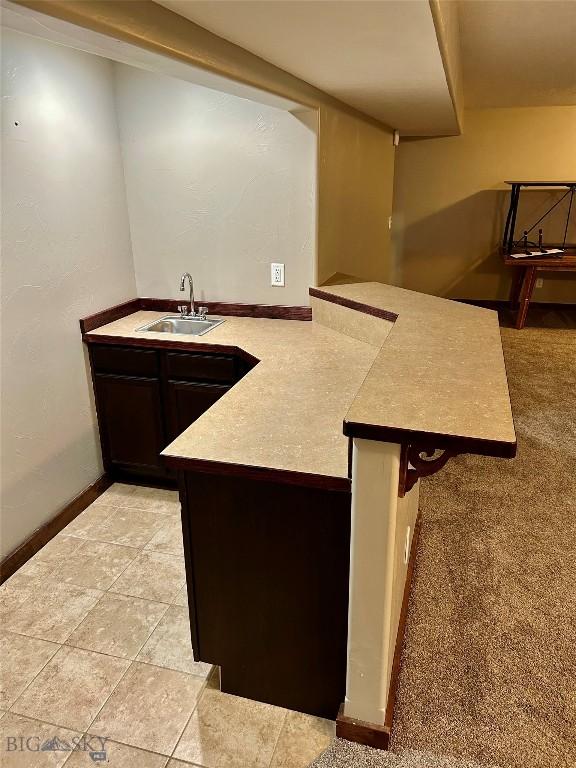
x,y
194,326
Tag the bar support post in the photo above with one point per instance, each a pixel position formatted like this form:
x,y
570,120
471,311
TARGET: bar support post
x,y
381,537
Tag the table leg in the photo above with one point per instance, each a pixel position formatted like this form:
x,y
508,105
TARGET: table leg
x,y
511,208
516,286
527,289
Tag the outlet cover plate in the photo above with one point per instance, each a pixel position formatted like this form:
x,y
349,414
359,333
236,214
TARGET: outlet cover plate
x,y
277,275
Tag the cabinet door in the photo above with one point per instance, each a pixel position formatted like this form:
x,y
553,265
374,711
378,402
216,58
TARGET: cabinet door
x,y
189,400
130,416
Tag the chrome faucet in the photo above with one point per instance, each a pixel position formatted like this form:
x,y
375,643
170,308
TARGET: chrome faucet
x,y
192,310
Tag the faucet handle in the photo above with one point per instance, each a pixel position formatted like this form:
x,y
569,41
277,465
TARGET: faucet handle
x,y
202,312
183,309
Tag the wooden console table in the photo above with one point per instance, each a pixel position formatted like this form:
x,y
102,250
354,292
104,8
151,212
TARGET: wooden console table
x,y
526,269
524,278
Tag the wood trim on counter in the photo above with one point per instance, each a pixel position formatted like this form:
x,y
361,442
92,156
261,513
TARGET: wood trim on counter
x,y
383,314
106,316
372,734
182,346
263,474
233,309
432,440
227,309
42,535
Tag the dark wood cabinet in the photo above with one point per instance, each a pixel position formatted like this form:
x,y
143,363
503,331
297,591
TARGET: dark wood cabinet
x,y
131,425
146,397
195,367
189,400
267,568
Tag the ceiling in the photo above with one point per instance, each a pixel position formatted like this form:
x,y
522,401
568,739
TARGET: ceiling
x,y
518,53
31,22
380,56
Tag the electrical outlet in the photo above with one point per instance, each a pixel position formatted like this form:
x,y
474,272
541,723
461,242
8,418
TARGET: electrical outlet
x,y
277,275
407,546
539,282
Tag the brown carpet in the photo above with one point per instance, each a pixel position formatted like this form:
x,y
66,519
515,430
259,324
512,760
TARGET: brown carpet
x,y
489,668
489,664
345,754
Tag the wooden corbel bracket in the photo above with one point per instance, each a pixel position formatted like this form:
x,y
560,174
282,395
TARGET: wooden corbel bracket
x,y
418,461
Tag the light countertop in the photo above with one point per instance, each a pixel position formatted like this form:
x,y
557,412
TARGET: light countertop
x,y
287,412
440,371
437,369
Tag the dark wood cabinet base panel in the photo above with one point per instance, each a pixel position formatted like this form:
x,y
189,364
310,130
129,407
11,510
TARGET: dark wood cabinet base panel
x,y
267,566
371,734
42,536
131,475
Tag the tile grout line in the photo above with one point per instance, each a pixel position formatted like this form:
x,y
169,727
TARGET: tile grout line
x,y
195,707
118,543
8,709
122,744
62,642
111,655
104,592
60,645
105,589
140,549
278,738
143,506
85,733
169,757
101,653
107,699
112,507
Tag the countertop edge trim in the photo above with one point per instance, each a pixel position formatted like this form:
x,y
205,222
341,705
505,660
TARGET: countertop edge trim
x,y
383,314
456,443
183,346
289,477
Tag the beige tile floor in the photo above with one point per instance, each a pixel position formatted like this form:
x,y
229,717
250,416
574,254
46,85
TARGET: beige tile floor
x,y
95,644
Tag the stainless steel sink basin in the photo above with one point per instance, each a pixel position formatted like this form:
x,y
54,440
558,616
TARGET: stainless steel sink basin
x,y
193,326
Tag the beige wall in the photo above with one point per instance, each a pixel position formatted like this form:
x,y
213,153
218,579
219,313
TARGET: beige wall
x,y
450,201
355,164
65,254
355,185
221,189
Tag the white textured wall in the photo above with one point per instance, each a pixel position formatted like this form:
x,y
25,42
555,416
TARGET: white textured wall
x,y
65,254
218,186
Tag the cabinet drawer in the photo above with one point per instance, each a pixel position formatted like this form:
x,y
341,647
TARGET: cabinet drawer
x,y
201,367
123,360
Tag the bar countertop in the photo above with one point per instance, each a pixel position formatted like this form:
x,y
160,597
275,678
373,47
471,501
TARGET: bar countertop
x,y
376,361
